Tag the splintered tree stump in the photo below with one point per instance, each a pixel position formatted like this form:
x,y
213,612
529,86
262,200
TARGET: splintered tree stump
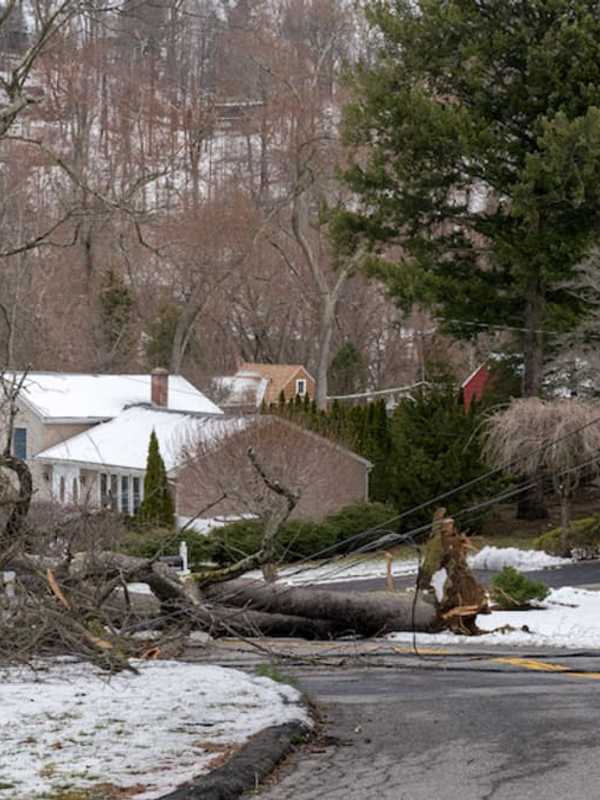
x,y
446,573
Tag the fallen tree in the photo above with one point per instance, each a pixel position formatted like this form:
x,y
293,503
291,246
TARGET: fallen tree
x,y
73,596
362,613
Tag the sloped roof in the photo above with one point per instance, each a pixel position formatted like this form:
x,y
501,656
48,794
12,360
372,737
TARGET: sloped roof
x,y
75,396
123,442
279,373
242,389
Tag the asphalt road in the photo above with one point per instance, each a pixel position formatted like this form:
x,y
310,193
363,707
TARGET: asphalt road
x,y
451,729
584,574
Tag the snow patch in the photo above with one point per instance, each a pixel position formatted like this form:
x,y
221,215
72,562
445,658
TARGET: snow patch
x,y
66,725
496,558
568,618
488,558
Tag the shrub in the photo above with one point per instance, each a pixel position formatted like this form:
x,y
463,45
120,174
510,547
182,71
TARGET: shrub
x,y
581,540
300,539
157,506
511,589
149,543
436,447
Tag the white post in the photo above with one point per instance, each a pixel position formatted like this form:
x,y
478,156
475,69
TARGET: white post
x,y
183,552
8,579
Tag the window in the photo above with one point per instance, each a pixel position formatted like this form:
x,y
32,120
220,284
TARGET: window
x,y
61,489
104,500
301,387
75,497
20,443
137,495
125,494
114,492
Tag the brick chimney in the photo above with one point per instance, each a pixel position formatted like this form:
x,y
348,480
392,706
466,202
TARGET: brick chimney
x,y
160,387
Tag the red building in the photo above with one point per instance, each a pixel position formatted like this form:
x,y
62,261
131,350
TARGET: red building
x,y
475,385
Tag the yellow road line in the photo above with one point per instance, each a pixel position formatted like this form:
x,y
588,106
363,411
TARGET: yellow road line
x,y
426,651
545,666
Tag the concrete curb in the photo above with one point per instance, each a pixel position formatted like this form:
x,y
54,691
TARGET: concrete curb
x,y
247,768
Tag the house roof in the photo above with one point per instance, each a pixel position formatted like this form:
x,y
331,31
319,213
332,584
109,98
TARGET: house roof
x,y
91,398
242,389
275,372
473,374
279,374
123,442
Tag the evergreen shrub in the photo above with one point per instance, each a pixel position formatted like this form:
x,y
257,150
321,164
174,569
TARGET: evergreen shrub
x,y
300,539
510,589
163,541
581,540
157,508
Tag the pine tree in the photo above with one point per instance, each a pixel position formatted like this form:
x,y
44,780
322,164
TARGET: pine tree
x,y
156,508
477,133
436,447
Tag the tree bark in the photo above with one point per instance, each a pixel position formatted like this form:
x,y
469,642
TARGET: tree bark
x,y
531,503
366,614
533,341
228,621
565,518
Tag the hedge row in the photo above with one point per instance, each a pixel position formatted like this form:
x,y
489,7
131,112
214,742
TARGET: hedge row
x,y
297,539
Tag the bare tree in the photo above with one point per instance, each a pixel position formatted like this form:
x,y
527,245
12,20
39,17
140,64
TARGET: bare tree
x,y
539,439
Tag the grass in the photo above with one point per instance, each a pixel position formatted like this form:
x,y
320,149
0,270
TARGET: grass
x,y
271,671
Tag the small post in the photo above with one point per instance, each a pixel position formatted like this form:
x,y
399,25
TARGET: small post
x,y
389,581
8,579
183,553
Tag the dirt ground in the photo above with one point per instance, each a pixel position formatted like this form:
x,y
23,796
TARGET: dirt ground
x,y
502,522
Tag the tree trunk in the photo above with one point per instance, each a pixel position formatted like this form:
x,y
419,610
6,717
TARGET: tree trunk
x,y
231,621
364,613
533,341
531,503
325,338
565,519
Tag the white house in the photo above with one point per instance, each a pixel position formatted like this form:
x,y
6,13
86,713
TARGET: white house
x,y
86,436
86,439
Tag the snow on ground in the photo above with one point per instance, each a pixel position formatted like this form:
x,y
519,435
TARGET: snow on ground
x,y
66,726
567,618
340,571
207,525
495,558
490,558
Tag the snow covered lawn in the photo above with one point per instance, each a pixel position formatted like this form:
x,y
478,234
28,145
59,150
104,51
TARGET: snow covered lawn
x,y
68,727
568,618
488,558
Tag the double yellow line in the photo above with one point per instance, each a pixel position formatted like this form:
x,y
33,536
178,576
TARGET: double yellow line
x,y
512,661
545,666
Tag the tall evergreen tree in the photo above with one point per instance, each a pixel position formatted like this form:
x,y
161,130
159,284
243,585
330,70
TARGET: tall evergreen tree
x,y
481,127
436,448
157,506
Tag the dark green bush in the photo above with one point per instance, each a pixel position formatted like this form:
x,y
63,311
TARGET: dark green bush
x,y
436,447
300,539
581,540
511,589
147,543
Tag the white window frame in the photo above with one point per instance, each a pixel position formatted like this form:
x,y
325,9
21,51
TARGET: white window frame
x,y
301,382
115,503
